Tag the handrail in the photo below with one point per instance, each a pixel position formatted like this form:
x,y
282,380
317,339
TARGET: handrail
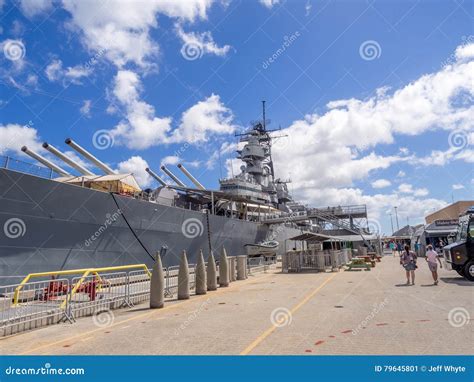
x,y
84,271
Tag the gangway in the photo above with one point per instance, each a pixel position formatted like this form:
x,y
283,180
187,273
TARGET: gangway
x,y
336,216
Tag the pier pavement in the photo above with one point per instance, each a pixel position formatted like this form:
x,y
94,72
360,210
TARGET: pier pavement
x,y
366,312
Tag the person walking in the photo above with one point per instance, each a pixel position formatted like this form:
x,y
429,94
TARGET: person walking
x,y
408,261
432,259
399,248
392,247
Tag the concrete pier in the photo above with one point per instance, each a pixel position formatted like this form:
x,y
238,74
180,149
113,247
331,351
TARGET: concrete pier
x,y
274,313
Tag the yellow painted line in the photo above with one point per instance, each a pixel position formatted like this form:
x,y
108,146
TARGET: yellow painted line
x,y
153,312
271,329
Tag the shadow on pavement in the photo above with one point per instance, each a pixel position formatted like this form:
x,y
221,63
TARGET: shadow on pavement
x,y
457,280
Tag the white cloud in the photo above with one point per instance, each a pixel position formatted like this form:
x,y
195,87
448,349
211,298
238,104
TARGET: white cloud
x,y
464,52
269,3
31,8
122,28
32,80
207,117
327,152
140,129
171,160
55,72
136,165
381,183
201,42
86,108
14,136
458,187
406,188
330,150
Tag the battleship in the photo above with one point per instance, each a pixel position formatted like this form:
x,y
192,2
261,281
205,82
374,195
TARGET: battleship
x,y
84,220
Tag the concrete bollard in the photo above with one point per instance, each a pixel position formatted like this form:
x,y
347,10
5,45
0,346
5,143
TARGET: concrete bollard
x,y
157,285
223,269
183,278
201,282
211,273
241,267
232,268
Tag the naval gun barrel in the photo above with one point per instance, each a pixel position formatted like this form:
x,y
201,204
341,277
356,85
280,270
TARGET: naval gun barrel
x,y
191,178
44,161
86,154
156,176
53,150
172,176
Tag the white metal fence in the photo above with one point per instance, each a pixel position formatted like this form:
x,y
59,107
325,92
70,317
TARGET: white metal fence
x,y
315,260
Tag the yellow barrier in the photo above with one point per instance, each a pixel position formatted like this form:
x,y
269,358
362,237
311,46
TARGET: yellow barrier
x,y
85,272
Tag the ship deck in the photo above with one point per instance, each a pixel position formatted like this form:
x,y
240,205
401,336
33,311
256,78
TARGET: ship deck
x,y
315,313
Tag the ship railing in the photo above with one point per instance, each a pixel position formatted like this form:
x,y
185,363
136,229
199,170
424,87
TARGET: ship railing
x,y
11,163
315,260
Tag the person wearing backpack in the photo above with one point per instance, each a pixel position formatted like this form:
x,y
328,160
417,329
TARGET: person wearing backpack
x,y
408,261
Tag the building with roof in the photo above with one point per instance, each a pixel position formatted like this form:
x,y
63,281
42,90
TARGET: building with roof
x,y
450,212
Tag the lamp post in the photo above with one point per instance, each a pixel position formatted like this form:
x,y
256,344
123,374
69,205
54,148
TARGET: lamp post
x,y
396,217
391,221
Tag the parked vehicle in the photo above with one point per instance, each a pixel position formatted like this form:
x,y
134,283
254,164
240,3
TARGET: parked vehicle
x,y
459,256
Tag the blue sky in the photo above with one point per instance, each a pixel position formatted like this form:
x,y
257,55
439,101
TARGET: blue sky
x,y
126,73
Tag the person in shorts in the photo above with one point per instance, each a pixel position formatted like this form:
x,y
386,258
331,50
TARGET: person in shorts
x,y
408,261
432,259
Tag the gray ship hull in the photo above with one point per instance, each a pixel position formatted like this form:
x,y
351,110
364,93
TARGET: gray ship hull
x,y
46,225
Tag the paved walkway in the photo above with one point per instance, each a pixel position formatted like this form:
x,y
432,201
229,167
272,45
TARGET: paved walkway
x,y
273,313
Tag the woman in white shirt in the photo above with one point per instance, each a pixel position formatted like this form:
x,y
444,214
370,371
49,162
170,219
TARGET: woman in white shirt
x,y
433,260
